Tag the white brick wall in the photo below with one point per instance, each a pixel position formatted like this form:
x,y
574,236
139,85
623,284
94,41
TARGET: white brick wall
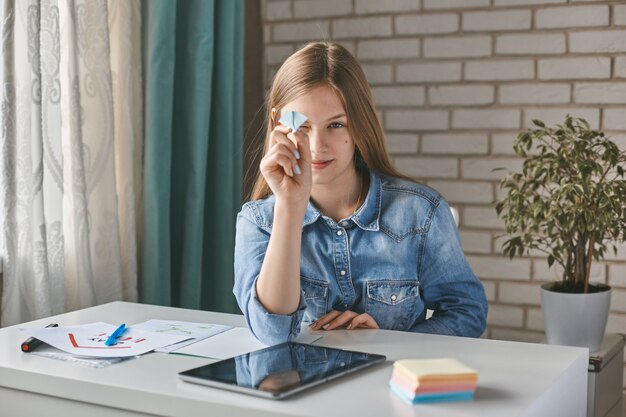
x,y
497,21
398,143
574,68
426,24
278,10
485,70
598,41
486,119
530,44
455,143
620,15
567,17
534,319
300,31
617,275
526,2
502,143
454,82
485,169
490,290
378,73
511,293
500,315
554,115
455,46
392,48
464,191
475,242
375,6
450,4
428,167
416,120
430,72
399,96
600,92
614,119
482,217
366,27
535,93
620,67
462,95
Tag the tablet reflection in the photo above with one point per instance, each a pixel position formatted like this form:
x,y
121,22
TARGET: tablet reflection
x,y
289,365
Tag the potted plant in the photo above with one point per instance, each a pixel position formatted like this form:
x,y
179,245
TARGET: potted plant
x,y
568,202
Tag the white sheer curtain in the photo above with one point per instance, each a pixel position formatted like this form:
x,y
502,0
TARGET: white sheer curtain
x,y
71,154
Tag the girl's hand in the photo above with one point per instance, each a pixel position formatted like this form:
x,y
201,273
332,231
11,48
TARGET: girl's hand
x,y
287,166
347,319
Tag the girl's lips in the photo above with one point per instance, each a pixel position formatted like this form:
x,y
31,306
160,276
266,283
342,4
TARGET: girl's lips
x,y
320,164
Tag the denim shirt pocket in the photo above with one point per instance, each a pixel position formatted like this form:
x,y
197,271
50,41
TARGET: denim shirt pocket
x,y
315,295
393,304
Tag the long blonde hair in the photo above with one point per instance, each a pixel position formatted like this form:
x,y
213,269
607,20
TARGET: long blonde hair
x,y
331,64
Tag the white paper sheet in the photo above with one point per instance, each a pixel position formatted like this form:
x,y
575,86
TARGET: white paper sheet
x,y
88,340
48,351
195,331
233,342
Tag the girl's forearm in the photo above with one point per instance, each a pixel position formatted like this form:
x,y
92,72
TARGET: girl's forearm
x,y
278,286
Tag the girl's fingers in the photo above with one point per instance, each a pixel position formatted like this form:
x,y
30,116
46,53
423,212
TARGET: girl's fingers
x,y
279,158
337,319
287,141
301,141
326,318
363,321
340,320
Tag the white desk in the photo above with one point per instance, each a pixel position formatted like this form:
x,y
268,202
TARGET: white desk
x,y
516,379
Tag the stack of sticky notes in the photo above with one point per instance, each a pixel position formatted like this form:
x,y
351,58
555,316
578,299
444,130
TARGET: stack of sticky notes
x,y
431,380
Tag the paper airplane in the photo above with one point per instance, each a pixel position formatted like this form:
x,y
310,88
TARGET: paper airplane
x,y
293,119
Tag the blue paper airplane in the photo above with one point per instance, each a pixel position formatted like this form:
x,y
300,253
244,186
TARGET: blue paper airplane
x,y
293,119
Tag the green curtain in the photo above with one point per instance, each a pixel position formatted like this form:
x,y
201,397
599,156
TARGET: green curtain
x,y
193,89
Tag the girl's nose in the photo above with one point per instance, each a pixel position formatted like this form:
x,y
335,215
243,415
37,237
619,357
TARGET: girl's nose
x,y
317,140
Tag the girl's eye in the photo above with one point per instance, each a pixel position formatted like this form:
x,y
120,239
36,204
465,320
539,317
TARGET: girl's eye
x,y
336,125
304,127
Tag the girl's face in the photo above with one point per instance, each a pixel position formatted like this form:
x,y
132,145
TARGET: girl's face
x,y
332,147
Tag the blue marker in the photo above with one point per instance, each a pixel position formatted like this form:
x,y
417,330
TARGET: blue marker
x,y
117,333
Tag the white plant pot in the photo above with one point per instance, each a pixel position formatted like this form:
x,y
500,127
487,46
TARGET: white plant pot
x,y
575,319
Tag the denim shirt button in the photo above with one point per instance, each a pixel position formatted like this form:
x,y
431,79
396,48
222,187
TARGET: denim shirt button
x,y
339,233
394,297
343,272
344,223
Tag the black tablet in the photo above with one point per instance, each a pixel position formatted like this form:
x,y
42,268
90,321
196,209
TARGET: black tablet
x,y
281,370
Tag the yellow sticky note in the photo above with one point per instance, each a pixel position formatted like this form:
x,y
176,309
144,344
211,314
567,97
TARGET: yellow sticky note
x,y
434,369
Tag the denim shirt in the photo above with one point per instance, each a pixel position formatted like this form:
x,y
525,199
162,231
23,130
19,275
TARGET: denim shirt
x,y
398,255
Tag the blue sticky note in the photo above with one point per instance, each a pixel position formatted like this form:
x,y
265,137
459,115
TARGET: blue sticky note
x,y
293,119
431,397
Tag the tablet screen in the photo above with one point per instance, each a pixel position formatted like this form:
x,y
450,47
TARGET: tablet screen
x,y
280,370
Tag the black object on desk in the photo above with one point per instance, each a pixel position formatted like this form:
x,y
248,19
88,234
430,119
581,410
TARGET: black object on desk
x,y
31,343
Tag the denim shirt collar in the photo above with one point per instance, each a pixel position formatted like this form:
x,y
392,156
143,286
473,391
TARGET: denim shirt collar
x,y
366,217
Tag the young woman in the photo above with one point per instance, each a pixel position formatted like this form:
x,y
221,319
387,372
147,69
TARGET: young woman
x,y
333,234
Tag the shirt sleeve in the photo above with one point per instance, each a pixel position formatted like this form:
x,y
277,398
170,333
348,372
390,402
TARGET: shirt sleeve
x,y
250,246
448,285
